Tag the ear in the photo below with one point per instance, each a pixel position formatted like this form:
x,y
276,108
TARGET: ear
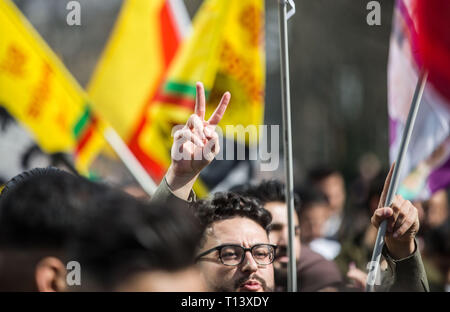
x,y
51,275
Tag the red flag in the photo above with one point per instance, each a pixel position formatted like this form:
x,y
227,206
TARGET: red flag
x,y
433,17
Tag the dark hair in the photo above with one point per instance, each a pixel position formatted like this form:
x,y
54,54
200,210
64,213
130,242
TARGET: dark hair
x,y
311,196
125,235
41,208
267,191
320,172
437,241
21,178
227,205
376,186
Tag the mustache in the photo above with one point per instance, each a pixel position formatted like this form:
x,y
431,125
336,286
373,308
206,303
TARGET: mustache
x,y
242,280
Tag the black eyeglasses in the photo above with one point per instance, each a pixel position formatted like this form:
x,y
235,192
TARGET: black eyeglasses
x,y
264,254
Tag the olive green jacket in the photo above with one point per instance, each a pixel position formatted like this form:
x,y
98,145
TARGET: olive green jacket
x,y
406,274
164,194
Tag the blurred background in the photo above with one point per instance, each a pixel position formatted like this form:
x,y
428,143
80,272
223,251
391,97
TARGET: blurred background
x,y
338,67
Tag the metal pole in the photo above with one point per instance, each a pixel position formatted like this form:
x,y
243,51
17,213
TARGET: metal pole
x,y
287,141
374,265
130,161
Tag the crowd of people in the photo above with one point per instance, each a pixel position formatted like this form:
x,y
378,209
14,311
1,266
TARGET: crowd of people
x,y
232,241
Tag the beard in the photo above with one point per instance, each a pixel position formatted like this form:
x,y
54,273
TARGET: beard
x,y
263,283
237,284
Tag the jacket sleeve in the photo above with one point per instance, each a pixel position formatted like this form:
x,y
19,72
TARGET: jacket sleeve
x,y
163,194
407,274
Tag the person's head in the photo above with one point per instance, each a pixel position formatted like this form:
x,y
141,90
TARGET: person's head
x,y
131,245
130,186
374,191
39,211
235,253
330,182
314,212
436,209
272,195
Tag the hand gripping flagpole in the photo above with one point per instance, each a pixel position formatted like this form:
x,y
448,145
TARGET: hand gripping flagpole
x,y
287,137
374,265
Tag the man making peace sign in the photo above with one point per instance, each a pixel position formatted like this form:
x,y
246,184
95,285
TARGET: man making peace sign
x,y
194,146
236,254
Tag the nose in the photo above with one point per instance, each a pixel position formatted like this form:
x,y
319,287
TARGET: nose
x,y
249,264
279,237
284,237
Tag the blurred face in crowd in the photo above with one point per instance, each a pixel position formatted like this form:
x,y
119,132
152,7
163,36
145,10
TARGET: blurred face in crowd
x,y
312,221
248,276
188,279
279,234
333,187
436,209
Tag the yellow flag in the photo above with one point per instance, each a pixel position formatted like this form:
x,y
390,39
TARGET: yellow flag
x,y
38,91
145,82
145,38
226,52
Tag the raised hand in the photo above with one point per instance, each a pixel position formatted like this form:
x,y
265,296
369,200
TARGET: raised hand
x,y
195,145
402,222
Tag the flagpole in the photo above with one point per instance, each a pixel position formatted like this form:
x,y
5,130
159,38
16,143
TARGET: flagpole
x,y
129,160
287,138
374,264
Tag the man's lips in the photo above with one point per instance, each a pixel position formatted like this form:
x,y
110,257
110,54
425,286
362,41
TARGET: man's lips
x,y
251,285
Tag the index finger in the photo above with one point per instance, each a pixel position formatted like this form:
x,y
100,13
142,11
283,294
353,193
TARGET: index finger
x,y
200,101
387,182
220,110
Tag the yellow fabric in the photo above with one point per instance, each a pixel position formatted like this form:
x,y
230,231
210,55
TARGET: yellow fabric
x,y
225,50
38,91
130,67
226,53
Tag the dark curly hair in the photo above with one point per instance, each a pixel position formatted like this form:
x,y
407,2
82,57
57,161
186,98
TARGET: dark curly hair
x,y
227,205
267,191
